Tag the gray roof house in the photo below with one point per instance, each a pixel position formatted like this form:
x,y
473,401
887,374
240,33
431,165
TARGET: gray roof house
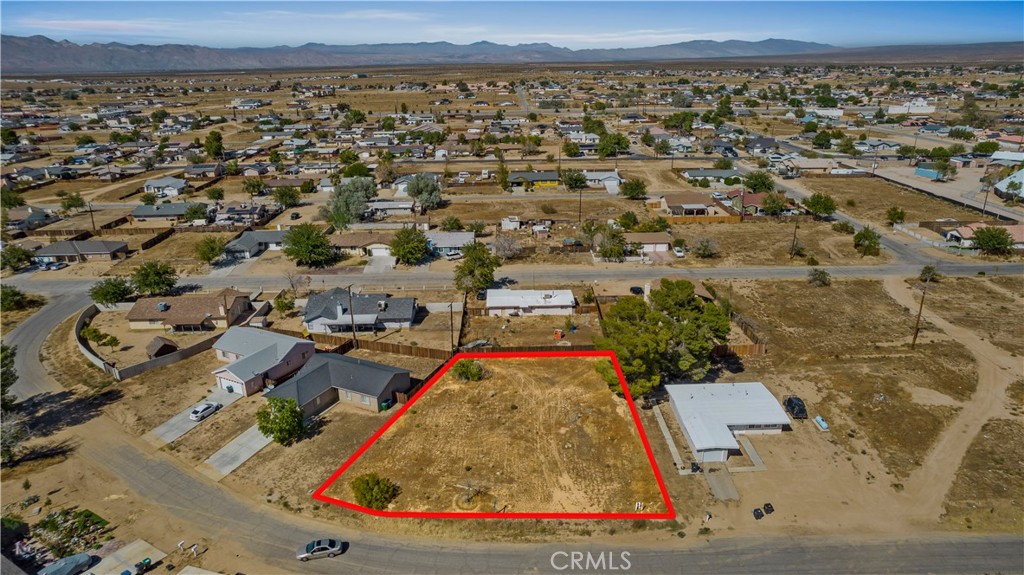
x,y
699,174
163,211
329,312
167,186
252,243
443,243
72,251
258,357
328,378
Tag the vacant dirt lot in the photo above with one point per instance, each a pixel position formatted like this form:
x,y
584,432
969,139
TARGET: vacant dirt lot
x,y
872,197
983,306
153,397
532,330
600,207
988,493
769,243
547,436
846,350
177,250
132,349
83,221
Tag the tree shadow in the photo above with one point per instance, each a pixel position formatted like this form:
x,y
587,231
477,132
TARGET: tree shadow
x,y
48,413
50,450
731,364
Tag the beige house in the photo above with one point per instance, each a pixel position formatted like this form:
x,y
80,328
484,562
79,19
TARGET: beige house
x,y
190,312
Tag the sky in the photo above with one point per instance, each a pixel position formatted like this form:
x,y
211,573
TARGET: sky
x,y
576,25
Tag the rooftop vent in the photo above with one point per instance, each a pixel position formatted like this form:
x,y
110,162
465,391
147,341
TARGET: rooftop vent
x,y
163,306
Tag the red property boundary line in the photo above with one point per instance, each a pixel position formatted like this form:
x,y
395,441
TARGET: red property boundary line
x,y
669,514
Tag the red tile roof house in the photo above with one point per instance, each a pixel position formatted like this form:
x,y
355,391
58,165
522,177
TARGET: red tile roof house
x,y
258,358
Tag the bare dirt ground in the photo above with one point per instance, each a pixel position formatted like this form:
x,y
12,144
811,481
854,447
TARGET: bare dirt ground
x,y
988,492
132,349
548,436
83,221
994,312
594,207
532,330
872,197
153,397
177,250
216,431
66,364
769,243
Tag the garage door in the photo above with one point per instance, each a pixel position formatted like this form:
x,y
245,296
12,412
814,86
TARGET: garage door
x,y
380,251
231,386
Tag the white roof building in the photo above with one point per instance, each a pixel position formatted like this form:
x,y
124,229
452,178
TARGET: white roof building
x,y
711,414
501,302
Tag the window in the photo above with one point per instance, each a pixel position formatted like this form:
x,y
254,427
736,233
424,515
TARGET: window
x,y
365,399
348,396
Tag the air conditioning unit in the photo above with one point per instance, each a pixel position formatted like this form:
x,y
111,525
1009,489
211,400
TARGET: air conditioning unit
x,y
382,305
163,306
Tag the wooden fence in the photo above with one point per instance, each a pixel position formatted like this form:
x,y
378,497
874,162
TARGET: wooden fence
x,y
531,348
338,343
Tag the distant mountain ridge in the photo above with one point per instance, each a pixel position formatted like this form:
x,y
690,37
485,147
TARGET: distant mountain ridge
x,y
41,55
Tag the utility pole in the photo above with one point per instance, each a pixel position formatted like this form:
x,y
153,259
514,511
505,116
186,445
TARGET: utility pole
x,y
792,248
351,314
581,206
92,216
920,309
451,320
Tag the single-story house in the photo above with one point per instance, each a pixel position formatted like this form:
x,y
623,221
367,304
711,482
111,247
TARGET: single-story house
x,y
711,414
167,186
160,346
328,378
684,203
762,145
511,223
326,185
928,170
504,302
245,213
401,183
253,243
386,207
193,312
711,175
338,310
364,243
530,180
27,217
964,235
1003,187
809,165
80,251
650,242
204,170
444,243
170,212
258,357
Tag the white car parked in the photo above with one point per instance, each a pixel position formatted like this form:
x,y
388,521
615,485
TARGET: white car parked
x,y
204,410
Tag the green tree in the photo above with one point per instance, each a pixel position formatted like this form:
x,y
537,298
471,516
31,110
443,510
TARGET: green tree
x,y
10,198
286,196
503,176
111,341
613,245
985,147
821,205
867,242
409,246
373,491
232,168
148,199
929,273
356,170
8,136
214,144
72,201
196,212
774,204
12,298
722,164
111,290
662,148
476,270
308,187
993,240
215,194
14,257
253,186
84,140
819,277
387,124
571,149
8,377
705,248
451,224
759,182
284,304
628,220
210,248
468,370
154,278
641,339
309,246
895,215
426,190
574,179
634,189
281,419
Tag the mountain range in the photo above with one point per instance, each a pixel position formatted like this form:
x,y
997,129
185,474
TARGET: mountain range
x,y
41,55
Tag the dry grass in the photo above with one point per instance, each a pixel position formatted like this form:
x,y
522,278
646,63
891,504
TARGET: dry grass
x,y
532,330
973,303
11,319
228,423
177,250
547,436
852,341
988,493
600,207
65,363
873,197
153,397
132,349
83,220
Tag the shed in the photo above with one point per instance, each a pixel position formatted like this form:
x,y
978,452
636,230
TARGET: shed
x,y
159,346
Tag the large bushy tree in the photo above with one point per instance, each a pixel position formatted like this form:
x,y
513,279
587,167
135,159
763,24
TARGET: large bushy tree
x,y
309,246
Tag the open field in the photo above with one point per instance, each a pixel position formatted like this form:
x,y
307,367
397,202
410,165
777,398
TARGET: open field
x,y
532,330
987,309
153,397
769,243
846,350
988,493
873,196
177,250
84,220
600,207
134,241
547,436
132,349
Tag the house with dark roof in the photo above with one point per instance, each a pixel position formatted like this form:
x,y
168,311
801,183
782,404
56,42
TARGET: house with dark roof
x,y
258,358
202,312
27,217
204,170
253,243
242,213
339,310
80,251
159,346
170,212
531,180
165,187
329,378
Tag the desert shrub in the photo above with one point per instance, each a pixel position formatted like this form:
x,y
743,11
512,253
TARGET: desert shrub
x,y
374,491
468,370
819,277
843,227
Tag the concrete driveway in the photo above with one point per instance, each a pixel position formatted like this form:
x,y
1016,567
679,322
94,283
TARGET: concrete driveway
x,y
180,424
234,454
379,264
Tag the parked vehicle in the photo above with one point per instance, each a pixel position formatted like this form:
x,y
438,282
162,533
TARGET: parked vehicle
x,y
71,565
57,266
453,256
481,295
319,548
636,290
758,514
769,509
820,421
795,407
679,252
204,410
295,215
